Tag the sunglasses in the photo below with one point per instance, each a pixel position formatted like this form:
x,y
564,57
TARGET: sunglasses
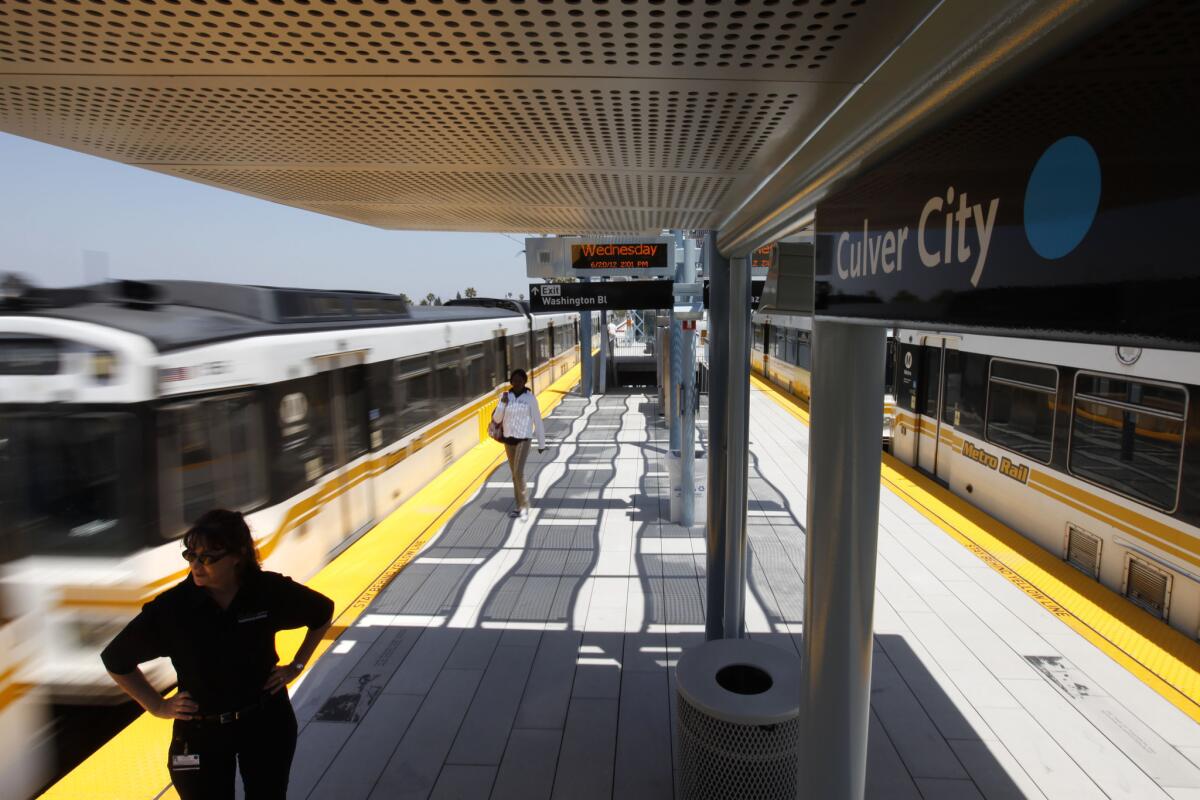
x,y
204,558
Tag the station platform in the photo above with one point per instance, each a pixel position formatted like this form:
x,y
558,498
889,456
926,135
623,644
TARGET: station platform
x,y
535,659
501,658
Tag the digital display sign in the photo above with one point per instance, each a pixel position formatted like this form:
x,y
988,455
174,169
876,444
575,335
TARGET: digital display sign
x,y
760,259
634,255
611,256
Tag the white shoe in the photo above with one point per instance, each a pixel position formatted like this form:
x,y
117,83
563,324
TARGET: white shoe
x,y
524,514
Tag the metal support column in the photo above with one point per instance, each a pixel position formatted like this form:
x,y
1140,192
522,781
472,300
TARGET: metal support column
x,y
668,386
603,351
687,402
737,443
839,564
585,352
675,411
718,358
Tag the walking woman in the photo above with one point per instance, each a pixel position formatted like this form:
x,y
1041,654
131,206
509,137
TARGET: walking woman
x,y
519,415
218,628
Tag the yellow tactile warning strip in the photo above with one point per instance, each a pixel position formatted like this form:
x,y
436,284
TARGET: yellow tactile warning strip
x,y
132,765
1157,654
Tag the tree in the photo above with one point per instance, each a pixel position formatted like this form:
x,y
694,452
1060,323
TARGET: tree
x,y
458,295
429,299
471,292
521,296
508,295
406,299
423,302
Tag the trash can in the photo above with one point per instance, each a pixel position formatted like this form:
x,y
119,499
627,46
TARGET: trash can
x,y
738,721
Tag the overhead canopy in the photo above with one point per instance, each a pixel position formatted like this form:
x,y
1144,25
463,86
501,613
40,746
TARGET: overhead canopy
x,y
559,117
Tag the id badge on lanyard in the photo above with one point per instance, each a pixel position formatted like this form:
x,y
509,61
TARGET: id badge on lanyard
x,y
185,761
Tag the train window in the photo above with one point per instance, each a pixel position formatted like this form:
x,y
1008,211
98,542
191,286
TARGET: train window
x,y
951,385
541,341
447,384
499,361
518,357
475,371
1020,408
66,482
354,408
187,466
965,394
29,355
321,454
759,338
927,388
566,338
803,349
210,455
380,415
413,393
1128,436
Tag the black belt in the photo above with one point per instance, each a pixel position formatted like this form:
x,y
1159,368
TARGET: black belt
x,y
226,717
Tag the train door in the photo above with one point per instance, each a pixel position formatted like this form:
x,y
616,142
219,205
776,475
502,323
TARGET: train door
x,y
931,442
766,351
499,358
346,376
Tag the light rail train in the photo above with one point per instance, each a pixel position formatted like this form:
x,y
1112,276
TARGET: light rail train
x,y
1091,451
128,409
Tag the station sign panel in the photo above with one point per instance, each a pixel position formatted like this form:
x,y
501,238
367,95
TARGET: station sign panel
x,y
575,257
1065,207
789,282
610,296
756,292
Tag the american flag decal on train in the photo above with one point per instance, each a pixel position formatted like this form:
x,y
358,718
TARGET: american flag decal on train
x,y
169,374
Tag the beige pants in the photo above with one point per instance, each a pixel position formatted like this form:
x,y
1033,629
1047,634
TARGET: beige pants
x,y
517,453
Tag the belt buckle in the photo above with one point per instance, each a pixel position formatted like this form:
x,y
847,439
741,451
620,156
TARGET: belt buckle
x,y
227,717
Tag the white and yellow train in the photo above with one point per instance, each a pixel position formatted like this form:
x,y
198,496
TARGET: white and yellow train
x,y
1091,451
126,410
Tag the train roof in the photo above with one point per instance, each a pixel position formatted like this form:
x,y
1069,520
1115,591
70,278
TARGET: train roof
x,y
179,314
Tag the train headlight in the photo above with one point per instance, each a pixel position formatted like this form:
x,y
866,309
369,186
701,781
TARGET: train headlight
x,y
103,366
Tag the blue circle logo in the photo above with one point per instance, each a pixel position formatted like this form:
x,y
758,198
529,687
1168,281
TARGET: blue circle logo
x,y
1062,197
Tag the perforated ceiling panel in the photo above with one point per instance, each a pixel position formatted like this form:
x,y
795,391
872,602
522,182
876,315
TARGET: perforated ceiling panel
x,y
576,116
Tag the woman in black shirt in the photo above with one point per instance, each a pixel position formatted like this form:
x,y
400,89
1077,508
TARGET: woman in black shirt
x,y
218,628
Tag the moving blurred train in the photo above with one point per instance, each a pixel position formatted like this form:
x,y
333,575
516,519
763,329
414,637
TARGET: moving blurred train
x,y
128,409
1091,451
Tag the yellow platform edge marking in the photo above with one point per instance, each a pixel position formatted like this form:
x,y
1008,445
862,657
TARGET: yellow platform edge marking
x,y
1151,650
133,764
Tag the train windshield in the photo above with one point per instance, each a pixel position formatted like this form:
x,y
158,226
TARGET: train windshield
x,y
66,488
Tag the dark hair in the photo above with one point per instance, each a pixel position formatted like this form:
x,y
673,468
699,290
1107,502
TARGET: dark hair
x,y
516,372
221,529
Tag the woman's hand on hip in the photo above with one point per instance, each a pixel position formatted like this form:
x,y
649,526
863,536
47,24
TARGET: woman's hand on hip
x,y
177,706
281,677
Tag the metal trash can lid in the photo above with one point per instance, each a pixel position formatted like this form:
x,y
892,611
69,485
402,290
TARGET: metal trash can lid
x,y
724,678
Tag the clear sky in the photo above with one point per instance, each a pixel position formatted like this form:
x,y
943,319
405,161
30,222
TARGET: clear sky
x,y
55,204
